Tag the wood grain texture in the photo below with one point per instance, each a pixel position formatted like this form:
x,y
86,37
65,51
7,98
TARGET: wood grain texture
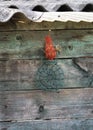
x,y
19,22
23,74
30,44
67,124
41,105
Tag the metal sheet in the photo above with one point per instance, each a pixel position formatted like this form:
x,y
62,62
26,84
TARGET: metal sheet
x,y
48,12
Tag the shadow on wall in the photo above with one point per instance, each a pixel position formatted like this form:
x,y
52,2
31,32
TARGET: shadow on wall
x,y
64,8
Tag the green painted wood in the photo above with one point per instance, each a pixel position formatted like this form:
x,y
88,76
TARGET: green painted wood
x,y
30,44
68,124
36,74
40,105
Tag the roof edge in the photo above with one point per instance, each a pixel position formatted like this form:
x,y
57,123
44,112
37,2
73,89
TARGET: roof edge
x,y
7,14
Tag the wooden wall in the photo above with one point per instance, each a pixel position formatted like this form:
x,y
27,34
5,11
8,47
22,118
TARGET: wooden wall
x,y
67,104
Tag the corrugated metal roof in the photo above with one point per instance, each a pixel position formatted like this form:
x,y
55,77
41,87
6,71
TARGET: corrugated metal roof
x,y
48,10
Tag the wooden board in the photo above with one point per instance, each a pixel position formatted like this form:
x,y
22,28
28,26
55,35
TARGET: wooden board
x,y
67,124
19,22
40,105
36,74
30,44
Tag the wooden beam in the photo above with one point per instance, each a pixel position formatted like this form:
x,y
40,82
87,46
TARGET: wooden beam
x,y
36,74
30,44
40,105
20,23
59,124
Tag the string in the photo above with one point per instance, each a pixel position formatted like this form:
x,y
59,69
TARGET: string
x,y
49,32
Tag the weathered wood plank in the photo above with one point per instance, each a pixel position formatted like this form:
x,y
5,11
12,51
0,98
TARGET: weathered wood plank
x,y
36,74
20,23
30,44
38,105
67,124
